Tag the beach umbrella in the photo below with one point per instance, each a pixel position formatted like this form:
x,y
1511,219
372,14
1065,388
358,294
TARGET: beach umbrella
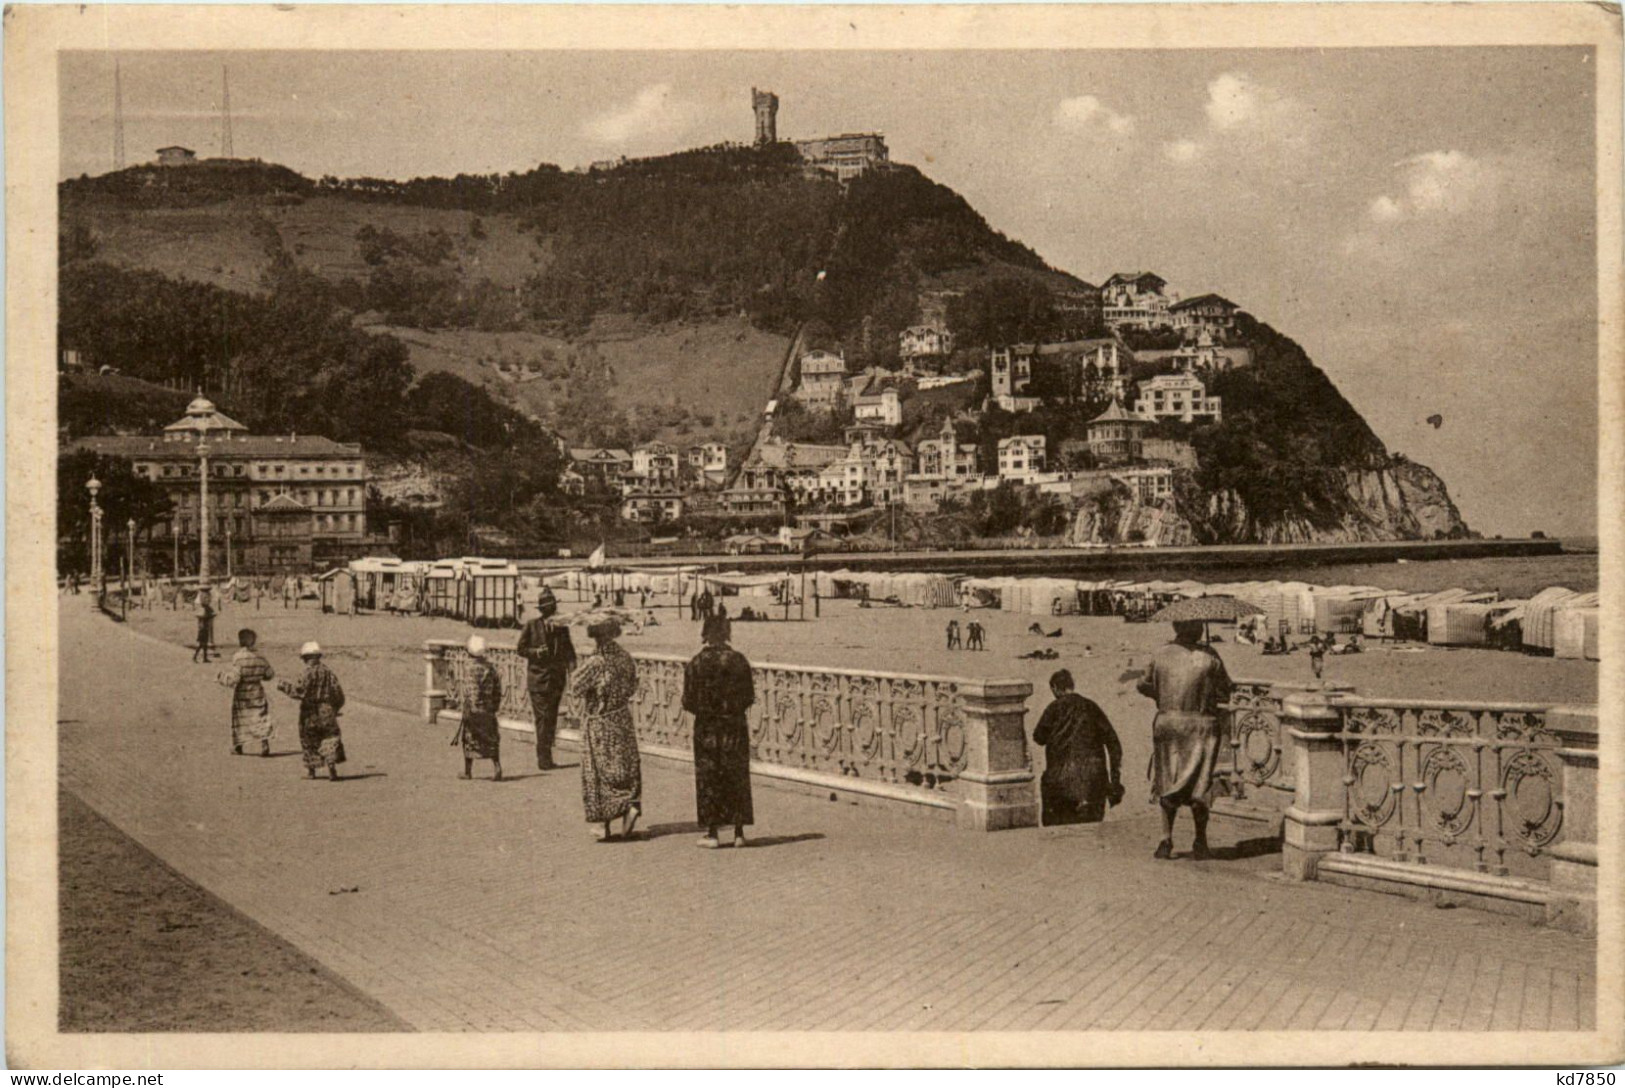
x,y
1220,608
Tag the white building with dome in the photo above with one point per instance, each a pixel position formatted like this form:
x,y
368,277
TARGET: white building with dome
x,y
285,502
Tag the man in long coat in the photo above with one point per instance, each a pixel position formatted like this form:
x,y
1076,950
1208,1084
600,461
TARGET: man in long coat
x,y
549,656
1083,759
1188,682
718,690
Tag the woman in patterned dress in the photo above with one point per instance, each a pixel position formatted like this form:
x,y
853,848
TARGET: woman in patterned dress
x,y
250,710
320,700
611,774
482,698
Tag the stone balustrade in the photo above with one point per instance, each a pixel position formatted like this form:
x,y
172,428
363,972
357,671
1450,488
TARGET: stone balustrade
x,y
953,745
1493,803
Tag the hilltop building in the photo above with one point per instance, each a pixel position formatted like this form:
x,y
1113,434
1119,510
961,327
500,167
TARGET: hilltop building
x,y
1213,315
849,155
709,462
1177,396
946,456
176,156
1137,300
283,502
604,467
924,342
1200,352
878,405
1021,456
1115,436
765,104
823,379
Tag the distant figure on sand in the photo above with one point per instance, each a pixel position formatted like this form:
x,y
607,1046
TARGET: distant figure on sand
x,y
1317,655
974,634
1083,759
482,698
204,611
611,774
1188,682
718,690
954,642
250,710
320,700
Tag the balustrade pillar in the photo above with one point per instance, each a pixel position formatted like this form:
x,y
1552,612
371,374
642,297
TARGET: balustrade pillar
x,y
1573,904
434,679
996,789
1309,727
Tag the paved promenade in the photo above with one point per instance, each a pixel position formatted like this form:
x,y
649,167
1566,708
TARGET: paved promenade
x,y
487,906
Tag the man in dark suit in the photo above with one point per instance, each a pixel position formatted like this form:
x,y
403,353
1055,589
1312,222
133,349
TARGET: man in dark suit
x,y
549,656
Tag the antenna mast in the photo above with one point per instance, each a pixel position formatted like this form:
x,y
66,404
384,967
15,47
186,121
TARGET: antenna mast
x,y
225,115
118,117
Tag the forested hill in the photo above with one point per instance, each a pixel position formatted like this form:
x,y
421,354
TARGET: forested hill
x,y
654,298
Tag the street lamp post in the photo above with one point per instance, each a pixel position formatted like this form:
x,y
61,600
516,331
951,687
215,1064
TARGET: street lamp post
x,y
203,512
129,551
93,487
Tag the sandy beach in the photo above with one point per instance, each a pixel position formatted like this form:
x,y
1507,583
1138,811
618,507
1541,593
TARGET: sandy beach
x,y
377,657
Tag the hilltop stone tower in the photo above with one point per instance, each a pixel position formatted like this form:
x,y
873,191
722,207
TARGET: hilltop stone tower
x,y
766,105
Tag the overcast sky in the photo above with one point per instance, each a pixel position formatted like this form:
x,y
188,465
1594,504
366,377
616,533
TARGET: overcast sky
x,y
1421,220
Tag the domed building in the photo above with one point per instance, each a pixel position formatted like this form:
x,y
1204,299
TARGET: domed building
x,y
286,502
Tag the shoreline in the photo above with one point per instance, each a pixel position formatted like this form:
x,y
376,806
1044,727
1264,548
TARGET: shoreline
x,y
1079,561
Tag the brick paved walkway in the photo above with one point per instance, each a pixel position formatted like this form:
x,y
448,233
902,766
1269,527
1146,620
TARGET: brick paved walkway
x,y
487,906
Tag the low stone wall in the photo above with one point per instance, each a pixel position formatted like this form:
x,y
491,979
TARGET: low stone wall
x,y
953,746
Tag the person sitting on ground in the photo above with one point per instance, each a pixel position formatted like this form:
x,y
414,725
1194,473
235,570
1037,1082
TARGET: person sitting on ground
x,y
1034,629
1054,634
1083,759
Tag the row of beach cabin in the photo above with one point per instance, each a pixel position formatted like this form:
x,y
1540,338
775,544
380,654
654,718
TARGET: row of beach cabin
x,y
492,592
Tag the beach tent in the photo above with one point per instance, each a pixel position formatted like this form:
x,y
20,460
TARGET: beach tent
x,y
1339,609
1574,632
1538,616
337,588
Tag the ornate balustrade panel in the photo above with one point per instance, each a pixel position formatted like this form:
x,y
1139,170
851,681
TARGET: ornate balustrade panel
x,y
1253,730
892,729
1462,785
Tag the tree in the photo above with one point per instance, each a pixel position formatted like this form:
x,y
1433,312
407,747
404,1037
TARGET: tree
x,y
123,496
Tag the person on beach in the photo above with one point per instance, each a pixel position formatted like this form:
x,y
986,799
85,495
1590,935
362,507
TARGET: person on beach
x,y
1188,682
718,690
320,700
549,656
974,636
953,635
1083,759
611,772
1317,655
203,609
482,698
250,709
721,616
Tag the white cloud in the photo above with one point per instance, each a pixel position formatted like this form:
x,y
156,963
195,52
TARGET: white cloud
x,y
1438,183
1182,151
1232,99
1243,114
1086,112
654,111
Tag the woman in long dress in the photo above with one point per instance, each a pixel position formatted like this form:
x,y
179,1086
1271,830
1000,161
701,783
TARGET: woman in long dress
x,y
482,699
611,773
250,709
320,700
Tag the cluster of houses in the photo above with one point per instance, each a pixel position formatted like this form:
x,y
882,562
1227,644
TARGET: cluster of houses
x,y
655,482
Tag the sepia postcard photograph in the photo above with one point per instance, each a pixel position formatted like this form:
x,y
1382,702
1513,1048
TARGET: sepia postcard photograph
x,y
889,536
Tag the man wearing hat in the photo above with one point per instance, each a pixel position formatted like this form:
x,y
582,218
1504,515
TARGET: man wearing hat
x,y
549,656
718,690
1188,682
320,700
481,698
